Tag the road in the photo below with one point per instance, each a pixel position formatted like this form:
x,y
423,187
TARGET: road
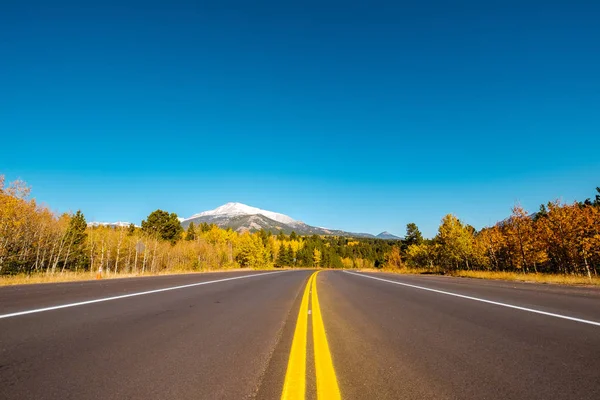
x,y
294,334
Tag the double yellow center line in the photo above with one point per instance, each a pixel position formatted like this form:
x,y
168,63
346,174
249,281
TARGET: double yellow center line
x,y
294,387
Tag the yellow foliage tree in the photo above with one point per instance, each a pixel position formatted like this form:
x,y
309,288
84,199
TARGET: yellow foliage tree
x,y
317,258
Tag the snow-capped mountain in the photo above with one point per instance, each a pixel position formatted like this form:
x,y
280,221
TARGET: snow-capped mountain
x,y
237,209
118,224
241,217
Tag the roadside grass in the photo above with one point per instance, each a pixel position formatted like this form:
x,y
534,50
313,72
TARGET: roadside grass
x,y
559,279
69,276
406,271
531,277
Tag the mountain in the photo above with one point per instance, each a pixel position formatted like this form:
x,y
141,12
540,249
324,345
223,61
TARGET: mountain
x,y
118,224
241,217
387,236
237,209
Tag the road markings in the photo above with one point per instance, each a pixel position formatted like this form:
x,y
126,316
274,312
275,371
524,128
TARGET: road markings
x,y
531,310
327,385
83,303
294,387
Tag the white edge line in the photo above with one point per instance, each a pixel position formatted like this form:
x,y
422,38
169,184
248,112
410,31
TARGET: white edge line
x,y
82,303
549,314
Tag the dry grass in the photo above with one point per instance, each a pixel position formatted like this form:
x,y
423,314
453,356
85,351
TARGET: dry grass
x,y
507,276
408,271
24,279
537,278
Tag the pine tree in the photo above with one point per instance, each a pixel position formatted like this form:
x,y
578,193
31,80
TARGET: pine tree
x,y
264,236
281,257
413,234
304,256
542,212
163,225
76,237
289,255
191,232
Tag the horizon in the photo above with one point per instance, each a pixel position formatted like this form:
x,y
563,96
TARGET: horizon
x,y
258,211
375,234
361,118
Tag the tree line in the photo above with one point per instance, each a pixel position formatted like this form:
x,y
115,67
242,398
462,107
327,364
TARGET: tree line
x,y
559,238
33,239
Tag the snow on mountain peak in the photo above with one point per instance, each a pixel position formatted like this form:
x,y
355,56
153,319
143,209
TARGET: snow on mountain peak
x,y
233,209
119,224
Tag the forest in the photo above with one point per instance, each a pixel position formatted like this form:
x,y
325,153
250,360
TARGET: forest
x,y
557,239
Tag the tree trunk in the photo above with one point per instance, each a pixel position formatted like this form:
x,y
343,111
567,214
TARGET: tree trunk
x,y
57,259
128,267
587,267
154,256
119,249
51,256
525,267
145,259
67,256
101,257
37,257
43,261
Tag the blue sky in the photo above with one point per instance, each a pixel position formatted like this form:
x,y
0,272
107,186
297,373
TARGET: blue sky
x,y
357,117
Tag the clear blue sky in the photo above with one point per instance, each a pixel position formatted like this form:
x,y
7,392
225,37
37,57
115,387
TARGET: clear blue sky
x,y
357,117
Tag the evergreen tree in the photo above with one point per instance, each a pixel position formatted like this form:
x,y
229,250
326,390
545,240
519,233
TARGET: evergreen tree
x,y
543,212
293,236
285,258
163,225
335,261
191,232
77,236
304,256
130,229
326,257
413,234
282,257
289,255
264,236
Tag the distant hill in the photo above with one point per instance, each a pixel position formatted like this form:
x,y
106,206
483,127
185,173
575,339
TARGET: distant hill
x,y
241,217
387,236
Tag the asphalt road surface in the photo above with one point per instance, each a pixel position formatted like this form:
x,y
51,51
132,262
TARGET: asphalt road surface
x,y
294,335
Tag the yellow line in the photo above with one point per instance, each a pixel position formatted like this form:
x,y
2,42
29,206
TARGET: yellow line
x,y
327,385
294,387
